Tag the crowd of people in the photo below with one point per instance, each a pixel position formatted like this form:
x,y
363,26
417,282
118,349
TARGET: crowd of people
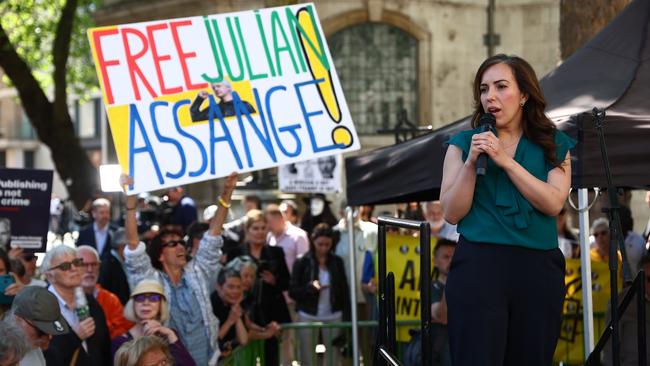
x,y
189,290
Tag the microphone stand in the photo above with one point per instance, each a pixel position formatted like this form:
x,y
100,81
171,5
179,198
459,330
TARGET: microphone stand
x,y
616,238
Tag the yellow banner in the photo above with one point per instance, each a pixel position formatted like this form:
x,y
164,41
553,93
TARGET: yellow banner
x,y
403,259
570,349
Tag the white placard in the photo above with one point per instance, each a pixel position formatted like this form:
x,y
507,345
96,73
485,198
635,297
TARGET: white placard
x,y
192,99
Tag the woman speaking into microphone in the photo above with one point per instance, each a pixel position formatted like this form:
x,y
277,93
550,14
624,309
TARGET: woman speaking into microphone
x,y
506,284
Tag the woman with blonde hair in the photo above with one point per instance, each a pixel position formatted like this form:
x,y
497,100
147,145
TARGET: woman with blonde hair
x,y
142,351
148,309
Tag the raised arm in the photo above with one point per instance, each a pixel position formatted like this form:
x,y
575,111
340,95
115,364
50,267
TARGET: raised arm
x,y
138,264
223,204
130,222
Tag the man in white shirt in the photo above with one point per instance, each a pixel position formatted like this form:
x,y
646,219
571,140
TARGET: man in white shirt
x,y
292,239
36,311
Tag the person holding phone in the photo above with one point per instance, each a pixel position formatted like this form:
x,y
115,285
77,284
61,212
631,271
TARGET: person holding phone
x,y
320,288
148,309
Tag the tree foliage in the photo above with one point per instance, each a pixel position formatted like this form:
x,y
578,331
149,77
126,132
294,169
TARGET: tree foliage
x,y
31,27
44,52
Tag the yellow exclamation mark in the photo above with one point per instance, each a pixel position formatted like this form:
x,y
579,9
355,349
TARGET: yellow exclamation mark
x,y
341,135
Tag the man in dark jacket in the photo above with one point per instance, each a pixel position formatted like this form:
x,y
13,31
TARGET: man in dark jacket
x,y
226,104
112,275
98,234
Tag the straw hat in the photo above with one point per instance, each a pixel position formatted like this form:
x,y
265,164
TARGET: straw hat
x,y
147,286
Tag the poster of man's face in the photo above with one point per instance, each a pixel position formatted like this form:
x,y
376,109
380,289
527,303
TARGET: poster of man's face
x,y
5,232
326,166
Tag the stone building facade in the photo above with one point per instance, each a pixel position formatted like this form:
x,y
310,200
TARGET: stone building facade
x,y
416,55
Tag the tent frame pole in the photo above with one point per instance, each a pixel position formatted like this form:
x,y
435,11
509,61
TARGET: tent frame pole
x,y
349,212
585,265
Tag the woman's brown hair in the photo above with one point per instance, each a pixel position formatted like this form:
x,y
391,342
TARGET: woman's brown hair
x,y
537,127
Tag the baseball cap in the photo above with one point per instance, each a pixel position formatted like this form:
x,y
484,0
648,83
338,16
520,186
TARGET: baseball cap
x,y
40,307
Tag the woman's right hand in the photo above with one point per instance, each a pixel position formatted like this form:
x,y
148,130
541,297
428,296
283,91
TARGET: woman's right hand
x,y
476,148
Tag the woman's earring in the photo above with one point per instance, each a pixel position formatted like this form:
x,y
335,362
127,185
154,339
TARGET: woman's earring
x,y
521,104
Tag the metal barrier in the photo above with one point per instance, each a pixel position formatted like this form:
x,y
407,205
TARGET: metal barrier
x,y
324,352
252,354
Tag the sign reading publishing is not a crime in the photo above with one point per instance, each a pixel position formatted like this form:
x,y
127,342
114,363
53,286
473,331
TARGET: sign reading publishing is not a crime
x,y
25,207
196,98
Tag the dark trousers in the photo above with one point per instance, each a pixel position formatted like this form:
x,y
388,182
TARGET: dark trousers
x,y
504,304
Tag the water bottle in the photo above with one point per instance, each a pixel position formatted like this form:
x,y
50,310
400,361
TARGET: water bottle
x,y
82,309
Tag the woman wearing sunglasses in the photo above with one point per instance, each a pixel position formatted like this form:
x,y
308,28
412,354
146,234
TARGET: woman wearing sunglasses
x,y
148,309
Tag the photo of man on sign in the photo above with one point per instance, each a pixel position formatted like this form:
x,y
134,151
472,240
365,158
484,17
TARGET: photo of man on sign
x,y
223,91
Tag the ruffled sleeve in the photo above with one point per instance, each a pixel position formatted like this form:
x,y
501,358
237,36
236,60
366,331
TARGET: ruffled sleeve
x,y
463,140
563,143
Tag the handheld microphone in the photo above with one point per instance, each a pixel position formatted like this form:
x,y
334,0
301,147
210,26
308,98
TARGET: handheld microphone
x,y
486,123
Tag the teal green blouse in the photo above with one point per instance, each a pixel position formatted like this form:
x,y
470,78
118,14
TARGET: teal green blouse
x,y
499,213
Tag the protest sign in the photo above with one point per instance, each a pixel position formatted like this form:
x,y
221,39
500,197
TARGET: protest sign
x,y
196,98
25,207
322,175
403,259
570,345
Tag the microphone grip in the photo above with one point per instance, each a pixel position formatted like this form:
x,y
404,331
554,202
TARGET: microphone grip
x,y
481,164
481,161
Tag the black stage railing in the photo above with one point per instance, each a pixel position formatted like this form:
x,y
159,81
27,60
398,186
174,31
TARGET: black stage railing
x,y
387,344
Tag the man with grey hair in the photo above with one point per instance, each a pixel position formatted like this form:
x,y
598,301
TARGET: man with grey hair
x,y
223,91
113,308
439,227
35,312
13,344
112,271
98,234
89,341
600,248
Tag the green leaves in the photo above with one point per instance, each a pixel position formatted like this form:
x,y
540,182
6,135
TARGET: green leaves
x,y
31,27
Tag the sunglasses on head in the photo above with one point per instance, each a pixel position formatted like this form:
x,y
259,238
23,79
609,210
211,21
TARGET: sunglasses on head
x,y
66,266
149,297
599,233
173,243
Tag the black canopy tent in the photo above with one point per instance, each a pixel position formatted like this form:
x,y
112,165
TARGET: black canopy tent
x,y
611,71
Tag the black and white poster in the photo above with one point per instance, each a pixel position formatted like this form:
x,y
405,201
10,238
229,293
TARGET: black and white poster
x,y
25,208
322,175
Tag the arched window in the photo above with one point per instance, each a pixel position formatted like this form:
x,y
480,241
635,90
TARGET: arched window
x,y
377,66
